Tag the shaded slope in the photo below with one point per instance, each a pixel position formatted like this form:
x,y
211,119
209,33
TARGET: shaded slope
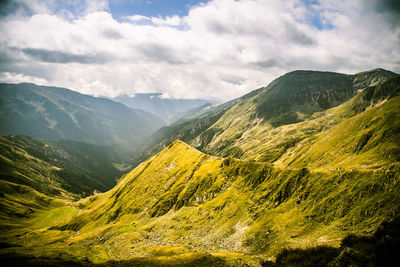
x,y
181,201
57,169
380,249
61,114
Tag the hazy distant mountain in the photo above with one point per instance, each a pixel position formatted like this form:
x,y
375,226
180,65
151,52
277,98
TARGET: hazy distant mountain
x,y
198,112
165,108
61,114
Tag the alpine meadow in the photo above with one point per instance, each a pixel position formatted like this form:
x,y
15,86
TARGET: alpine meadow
x,y
199,133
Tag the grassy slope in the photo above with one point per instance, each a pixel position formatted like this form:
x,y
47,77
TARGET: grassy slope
x,y
182,201
57,169
255,127
182,204
38,174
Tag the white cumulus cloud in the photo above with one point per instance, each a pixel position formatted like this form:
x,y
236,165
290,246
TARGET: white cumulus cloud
x,y
221,49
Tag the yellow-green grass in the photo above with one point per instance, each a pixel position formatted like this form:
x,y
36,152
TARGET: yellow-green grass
x,y
181,202
242,131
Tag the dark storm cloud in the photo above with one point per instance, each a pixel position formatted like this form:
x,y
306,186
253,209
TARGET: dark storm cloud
x,y
392,6
391,9
9,7
62,57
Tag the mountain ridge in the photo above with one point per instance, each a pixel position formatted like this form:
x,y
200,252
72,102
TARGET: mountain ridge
x,y
187,201
168,109
239,186
61,114
221,136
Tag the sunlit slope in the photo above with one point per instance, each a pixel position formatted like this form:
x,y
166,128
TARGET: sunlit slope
x,y
370,139
181,201
266,123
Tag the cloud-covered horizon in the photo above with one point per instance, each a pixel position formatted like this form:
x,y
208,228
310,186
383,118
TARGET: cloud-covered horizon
x,y
221,49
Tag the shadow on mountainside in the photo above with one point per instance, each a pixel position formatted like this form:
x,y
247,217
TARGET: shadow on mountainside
x,y
380,249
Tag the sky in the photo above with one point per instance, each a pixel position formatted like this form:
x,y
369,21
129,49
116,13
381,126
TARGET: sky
x,y
191,48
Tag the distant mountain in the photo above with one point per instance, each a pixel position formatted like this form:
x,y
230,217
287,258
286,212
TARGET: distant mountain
x,y
165,108
198,112
61,114
267,123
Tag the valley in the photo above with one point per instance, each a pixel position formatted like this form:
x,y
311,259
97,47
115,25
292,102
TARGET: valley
x,y
305,167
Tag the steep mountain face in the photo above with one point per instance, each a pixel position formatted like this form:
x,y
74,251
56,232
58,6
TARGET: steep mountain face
x,y
61,114
182,201
369,139
267,122
167,109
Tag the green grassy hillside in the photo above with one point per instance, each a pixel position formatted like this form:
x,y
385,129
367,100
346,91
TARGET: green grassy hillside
x,y
182,202
61,114
322,186
265,124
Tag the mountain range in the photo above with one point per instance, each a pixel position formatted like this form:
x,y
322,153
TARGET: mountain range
x,y
168,109
60,114
302,172
269,123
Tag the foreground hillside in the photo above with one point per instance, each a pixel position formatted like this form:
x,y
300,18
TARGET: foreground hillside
x,y
60,114
279,122
184,205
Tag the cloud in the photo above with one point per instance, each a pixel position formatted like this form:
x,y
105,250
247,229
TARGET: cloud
x,y
156,21
10,77
138,18
61,57
169,21
223,48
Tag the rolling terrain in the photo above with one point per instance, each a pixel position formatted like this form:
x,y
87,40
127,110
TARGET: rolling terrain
x,y
303,171
188,204
268,123
60,114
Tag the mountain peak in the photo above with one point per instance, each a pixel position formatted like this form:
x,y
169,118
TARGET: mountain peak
x,y
308,72
380,70
180,145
